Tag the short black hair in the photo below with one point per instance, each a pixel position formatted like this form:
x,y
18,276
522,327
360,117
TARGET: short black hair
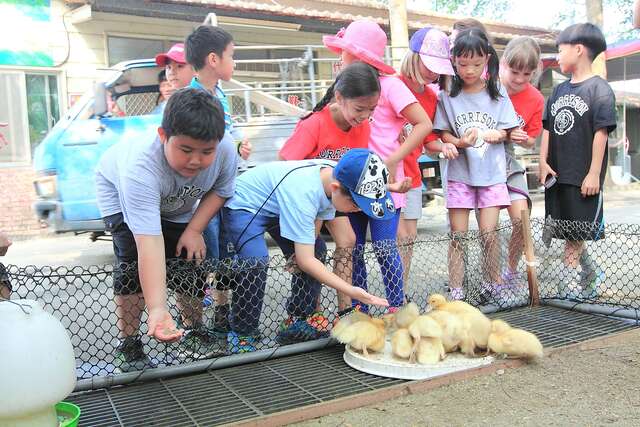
x,y
162,76
585,34
204,40
194,113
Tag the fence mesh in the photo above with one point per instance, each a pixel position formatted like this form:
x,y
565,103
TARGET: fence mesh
x,y
271,303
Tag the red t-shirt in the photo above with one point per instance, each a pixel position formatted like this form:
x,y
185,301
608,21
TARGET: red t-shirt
x,y
318,137
428,100
529,105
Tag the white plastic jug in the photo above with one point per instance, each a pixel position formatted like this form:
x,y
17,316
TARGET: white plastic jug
x,y
37,365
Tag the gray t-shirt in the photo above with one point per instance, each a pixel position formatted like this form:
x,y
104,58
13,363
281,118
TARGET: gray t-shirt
x,y
135,179
483,164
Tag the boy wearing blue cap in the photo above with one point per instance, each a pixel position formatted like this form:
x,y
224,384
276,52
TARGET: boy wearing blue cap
x,y
289,200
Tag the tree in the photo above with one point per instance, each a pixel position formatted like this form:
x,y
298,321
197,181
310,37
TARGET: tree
x,y
615,17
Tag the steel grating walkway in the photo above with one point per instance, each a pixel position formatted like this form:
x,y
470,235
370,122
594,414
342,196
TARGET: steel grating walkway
x,y
253,390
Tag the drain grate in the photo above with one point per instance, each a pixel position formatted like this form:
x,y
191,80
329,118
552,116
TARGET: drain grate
x,y
249,391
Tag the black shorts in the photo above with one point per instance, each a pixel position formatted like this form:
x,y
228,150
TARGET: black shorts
x,y
580,218
184,277
4,277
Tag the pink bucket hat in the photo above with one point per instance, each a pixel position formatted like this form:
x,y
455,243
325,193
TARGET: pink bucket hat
x,y
433,47
363,39
176,53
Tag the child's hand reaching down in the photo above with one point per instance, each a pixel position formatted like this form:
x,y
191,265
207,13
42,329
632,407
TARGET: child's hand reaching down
x,y
162,327
400,187
366,298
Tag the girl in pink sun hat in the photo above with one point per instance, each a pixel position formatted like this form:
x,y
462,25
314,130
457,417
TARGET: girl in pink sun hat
x,y
365,41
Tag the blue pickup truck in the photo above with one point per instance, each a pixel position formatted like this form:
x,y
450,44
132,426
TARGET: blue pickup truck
x,y
66,160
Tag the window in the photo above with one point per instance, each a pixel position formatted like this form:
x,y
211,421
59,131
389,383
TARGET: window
x,y
43,105
129,48
29,107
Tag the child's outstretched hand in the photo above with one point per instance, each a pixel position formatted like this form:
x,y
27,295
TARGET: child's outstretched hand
x,y
366,298
162,327
400,187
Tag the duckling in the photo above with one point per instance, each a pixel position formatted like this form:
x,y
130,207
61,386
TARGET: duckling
x,y
347,320
363,335
430,350
423,326
513,342
406,315
454,331
479,325
401,343
439,302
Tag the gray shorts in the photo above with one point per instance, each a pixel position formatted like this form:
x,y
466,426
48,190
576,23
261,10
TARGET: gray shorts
x,y
413,209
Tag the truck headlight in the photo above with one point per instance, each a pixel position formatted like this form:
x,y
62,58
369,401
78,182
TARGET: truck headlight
x,y
46,186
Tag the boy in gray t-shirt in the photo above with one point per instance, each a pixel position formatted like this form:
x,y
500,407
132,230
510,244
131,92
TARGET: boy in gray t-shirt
x,y
147,192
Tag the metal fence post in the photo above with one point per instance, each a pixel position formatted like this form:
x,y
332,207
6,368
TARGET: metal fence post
x,y
530,259
247,104
261,107
312,76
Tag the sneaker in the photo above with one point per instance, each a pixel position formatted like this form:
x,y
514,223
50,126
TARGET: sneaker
x,y
508,295
590,282
294,330
569,285
221,320
198,344
130,357
237,344
456,294
512,278
547,231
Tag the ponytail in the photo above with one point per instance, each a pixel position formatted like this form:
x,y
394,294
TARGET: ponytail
x,y
354,81
326,99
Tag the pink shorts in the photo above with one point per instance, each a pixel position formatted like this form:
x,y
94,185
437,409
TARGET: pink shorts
x,y
463,196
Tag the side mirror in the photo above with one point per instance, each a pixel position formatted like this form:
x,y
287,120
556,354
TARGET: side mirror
x,y
100,106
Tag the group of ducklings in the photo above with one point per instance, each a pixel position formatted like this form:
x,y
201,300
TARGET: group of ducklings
x,y
449,326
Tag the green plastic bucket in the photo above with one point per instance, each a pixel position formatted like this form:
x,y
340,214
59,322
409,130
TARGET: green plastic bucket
x,y
68,414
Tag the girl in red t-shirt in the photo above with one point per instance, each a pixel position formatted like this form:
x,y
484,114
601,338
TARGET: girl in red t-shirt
x,y
424,63
518,66
337,124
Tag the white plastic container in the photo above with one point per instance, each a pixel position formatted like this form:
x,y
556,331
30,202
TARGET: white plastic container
x,y
37,365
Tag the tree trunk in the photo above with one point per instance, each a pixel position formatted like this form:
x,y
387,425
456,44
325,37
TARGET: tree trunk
x,y
594,15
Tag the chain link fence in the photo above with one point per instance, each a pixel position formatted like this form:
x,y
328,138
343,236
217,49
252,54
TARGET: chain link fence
x,y
270,303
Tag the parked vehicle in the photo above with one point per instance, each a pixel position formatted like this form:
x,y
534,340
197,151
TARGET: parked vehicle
x,y
118,110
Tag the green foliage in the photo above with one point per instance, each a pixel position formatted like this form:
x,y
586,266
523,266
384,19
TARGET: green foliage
x,y
490,9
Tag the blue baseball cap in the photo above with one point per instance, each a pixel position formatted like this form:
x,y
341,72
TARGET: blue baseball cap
x,y
366,176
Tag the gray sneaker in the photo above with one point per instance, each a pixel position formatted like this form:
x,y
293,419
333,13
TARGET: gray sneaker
x,y
590,282
199,344
130,356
